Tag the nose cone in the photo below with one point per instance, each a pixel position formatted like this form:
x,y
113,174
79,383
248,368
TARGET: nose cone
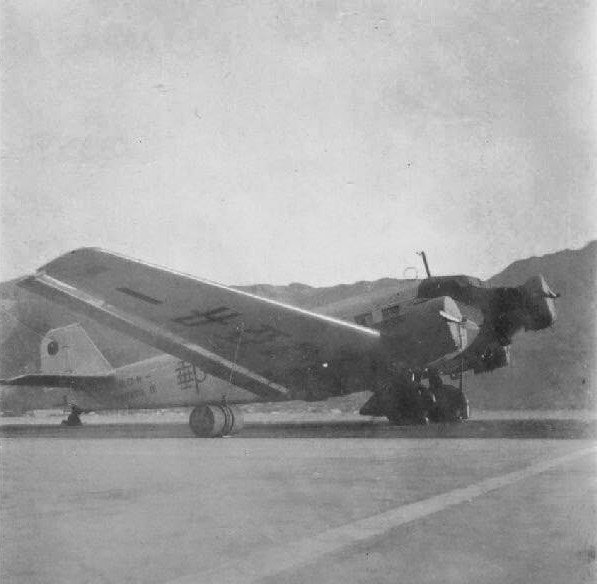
x,y
541,306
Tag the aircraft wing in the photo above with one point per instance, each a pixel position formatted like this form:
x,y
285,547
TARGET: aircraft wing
x,y
251,341
84,382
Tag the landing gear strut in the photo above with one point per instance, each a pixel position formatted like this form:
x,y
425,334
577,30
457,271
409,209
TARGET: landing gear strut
x,y
215,420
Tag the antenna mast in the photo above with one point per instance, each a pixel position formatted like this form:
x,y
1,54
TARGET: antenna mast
x,y
422,254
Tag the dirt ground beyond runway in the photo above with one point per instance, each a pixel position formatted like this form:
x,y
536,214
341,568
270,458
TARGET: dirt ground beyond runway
x,y
352,508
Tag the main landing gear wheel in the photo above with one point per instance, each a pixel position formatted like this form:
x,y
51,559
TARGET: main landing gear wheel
x,y
450,405
215,420
403,401
411,408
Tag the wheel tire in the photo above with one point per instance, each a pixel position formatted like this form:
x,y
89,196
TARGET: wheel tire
x,y
234,420
410,407
215,420
207,421
451,405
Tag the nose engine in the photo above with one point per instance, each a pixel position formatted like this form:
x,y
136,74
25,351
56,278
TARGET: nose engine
x,y
426,330
529,307
540,305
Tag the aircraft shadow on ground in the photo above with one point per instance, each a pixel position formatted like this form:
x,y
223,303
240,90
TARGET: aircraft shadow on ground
x,y
472,429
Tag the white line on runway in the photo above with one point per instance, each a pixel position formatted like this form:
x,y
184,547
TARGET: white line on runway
x,y
306,551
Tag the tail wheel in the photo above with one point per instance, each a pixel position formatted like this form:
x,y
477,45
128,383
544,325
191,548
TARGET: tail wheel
x,y
215,420
73,419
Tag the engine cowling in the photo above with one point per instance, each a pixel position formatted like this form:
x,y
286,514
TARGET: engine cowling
x,y
424,330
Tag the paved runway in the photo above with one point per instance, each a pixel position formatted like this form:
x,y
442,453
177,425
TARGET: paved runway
x,y
345,502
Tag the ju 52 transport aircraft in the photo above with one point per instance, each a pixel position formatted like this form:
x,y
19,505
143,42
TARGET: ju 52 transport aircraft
x,y
398,345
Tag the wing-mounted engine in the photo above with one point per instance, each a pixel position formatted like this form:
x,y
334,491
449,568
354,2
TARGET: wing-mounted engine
x,y
526,307
423,330
501,311
431,338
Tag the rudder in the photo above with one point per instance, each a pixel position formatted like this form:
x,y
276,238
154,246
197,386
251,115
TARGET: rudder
x,y
69,350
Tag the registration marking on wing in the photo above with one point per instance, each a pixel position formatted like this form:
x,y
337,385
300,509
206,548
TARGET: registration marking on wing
x,y
264,336
258,336
239,293
220,315
140,296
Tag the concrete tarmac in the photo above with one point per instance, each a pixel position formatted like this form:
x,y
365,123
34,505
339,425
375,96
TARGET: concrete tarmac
x,y
501,500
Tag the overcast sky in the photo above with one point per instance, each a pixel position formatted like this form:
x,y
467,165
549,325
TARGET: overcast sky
x,y
318,142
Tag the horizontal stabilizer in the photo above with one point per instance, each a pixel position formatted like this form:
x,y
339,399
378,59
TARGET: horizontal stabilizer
x,y
83,382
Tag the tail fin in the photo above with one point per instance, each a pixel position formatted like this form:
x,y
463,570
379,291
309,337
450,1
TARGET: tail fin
x,y
69,350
